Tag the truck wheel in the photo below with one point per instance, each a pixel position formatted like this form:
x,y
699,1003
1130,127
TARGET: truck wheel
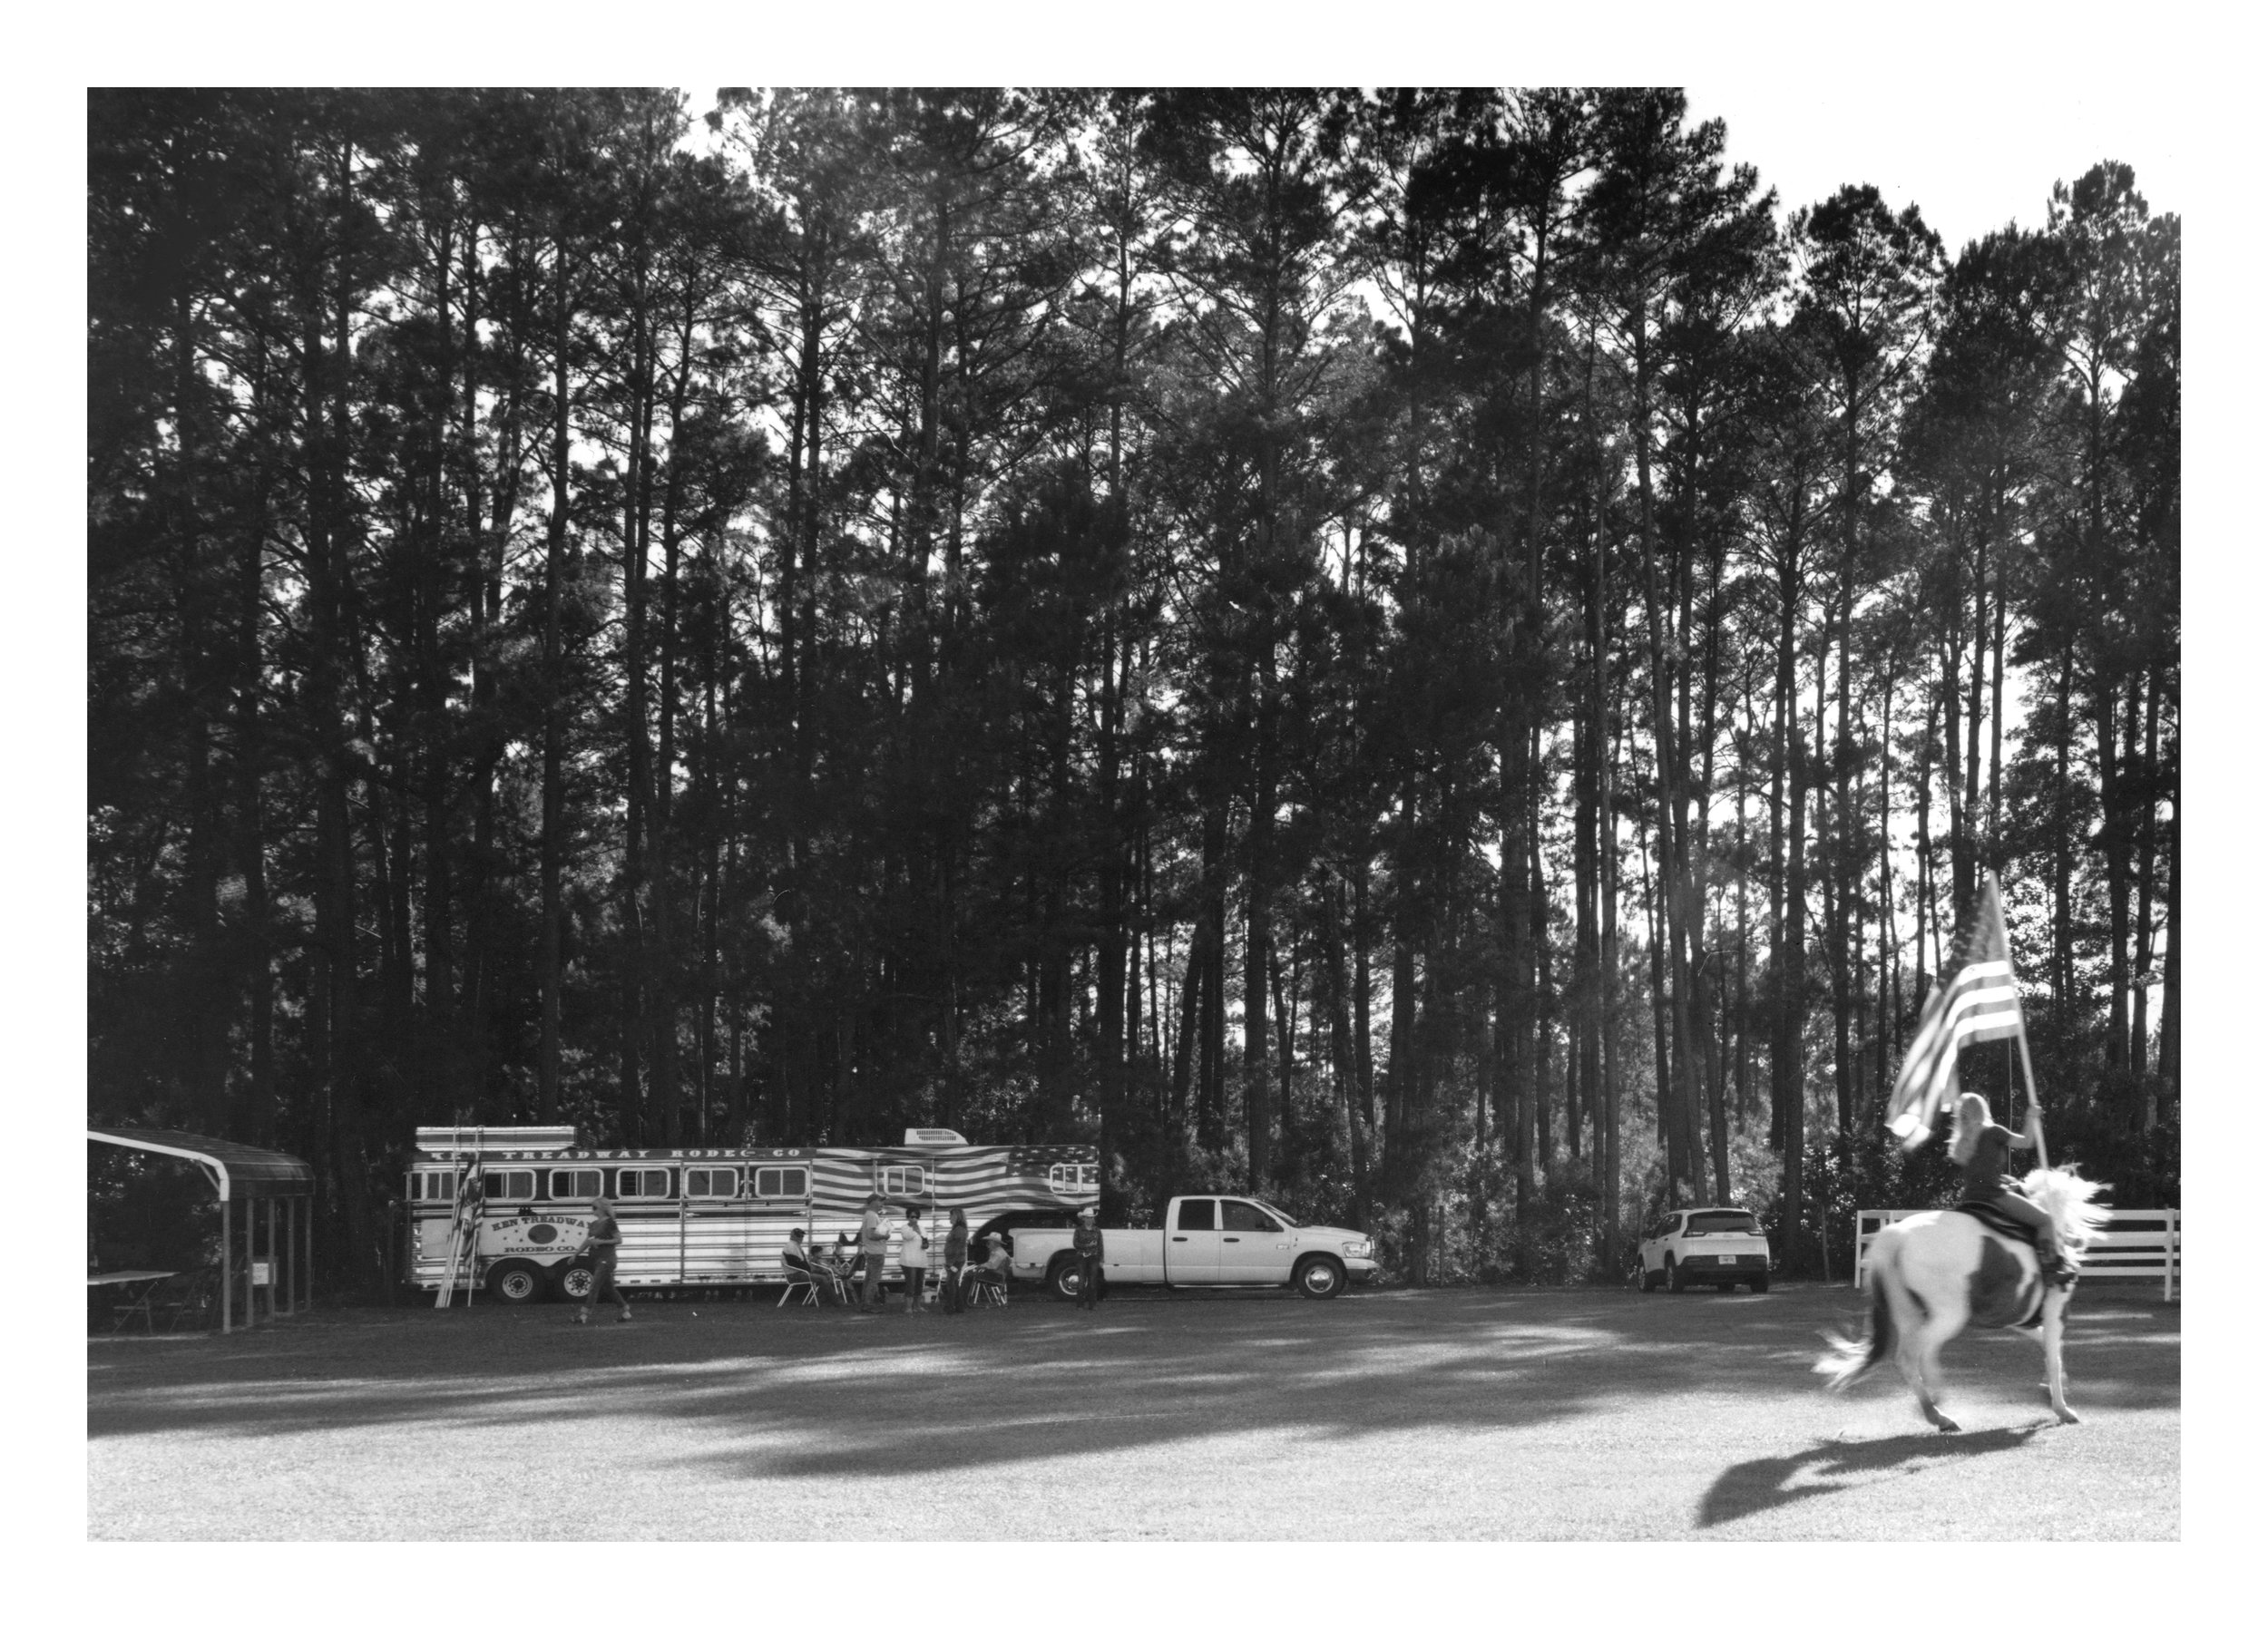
x,y
1647,1280
1761,1282
1671,1276
1320,1278
515,1284
1063,1277
574,1282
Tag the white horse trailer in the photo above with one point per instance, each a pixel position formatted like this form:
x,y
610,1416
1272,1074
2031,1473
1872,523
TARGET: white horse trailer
x,y
509,1208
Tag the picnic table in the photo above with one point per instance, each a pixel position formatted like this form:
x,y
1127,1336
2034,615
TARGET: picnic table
x,y
132,1303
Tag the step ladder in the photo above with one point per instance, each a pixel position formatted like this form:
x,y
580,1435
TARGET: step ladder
x,y
464,1223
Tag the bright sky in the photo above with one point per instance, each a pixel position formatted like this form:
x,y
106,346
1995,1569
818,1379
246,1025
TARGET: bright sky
x,y
1974,158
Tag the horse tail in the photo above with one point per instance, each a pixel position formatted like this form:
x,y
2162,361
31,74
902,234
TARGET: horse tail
x,y
2069,1199
1849,1358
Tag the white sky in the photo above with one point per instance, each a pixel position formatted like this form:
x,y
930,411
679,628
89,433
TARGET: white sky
x,y
1973,157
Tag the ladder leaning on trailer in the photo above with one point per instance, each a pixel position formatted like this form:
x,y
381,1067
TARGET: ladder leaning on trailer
x,y
464,1226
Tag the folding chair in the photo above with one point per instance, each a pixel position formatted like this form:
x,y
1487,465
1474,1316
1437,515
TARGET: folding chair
x,y
800,1281
191,1296
989,1292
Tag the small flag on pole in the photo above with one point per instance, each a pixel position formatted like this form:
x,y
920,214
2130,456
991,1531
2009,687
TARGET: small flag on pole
x,y
1975,1001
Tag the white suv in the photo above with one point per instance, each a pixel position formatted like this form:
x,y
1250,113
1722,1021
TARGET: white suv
x,y
1706,1246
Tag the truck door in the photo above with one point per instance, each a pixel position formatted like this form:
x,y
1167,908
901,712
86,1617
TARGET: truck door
x,y
1193,1243
1254,1247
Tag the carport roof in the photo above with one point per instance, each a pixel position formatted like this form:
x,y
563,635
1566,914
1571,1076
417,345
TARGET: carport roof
x,y
238,1170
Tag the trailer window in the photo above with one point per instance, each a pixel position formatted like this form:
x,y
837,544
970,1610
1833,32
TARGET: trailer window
x,y
1196,1216
712,1182
508,1184
441,1184
643,1182
1074,1179
782,1182
576,1185
904,1181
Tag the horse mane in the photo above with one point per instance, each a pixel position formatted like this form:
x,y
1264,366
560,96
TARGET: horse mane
x,y
2069,1199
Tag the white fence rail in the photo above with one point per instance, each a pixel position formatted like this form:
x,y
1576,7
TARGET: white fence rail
x,y
2135,1245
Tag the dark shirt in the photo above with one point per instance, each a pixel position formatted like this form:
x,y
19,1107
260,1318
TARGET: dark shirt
x,y
957,1245
1988,1164
606,1235
1087,1240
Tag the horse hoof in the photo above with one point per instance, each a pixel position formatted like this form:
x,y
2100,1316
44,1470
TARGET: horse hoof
x,y
2066,1416
1948,1425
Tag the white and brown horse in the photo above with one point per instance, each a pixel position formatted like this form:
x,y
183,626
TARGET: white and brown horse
x,y
1931,1274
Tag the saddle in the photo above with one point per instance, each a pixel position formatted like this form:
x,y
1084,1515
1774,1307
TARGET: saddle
x,y
1997,1220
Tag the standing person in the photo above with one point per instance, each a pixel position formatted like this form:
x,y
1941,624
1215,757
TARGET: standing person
x,y
605,1241
874,1244
1087,1240
956,1261
913,1257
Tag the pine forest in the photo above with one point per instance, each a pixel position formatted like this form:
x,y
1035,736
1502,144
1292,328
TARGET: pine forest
x,y
1447,658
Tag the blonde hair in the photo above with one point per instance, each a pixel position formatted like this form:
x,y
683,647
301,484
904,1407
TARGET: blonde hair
x,y
1972,1115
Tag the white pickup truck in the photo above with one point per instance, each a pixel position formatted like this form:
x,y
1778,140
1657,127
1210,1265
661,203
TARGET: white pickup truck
x,y
1213,1241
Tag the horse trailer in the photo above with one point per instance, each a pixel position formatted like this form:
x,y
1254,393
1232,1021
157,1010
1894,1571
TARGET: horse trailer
x,y
508,1208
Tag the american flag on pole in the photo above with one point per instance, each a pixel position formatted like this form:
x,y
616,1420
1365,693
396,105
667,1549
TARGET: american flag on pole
x,y
1975,1001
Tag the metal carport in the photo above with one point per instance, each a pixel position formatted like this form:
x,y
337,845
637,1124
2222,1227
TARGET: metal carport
x,y
256,1179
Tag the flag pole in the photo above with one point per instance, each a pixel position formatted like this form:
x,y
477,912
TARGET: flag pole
x,y
2024,1049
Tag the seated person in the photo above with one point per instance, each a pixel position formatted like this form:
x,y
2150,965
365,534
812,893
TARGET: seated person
x,y
988,1260
846,1261
802,1268
1982,1149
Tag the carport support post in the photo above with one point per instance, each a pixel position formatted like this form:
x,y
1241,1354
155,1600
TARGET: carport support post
x,y
224,1266
275,1261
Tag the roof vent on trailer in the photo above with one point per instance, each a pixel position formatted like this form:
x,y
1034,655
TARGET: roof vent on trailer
x,y
933,1137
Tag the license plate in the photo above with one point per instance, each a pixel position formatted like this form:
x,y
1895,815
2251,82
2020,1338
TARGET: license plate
x,y
1728,1261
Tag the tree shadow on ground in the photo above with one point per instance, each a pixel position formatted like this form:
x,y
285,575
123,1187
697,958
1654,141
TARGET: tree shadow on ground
x,y
806,1394
1768,1484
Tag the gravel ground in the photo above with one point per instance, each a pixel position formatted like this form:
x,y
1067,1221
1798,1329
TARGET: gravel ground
x,y
1444,1414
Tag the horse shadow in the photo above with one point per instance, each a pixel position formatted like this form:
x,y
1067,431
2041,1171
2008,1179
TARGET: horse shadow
x,y
1757,1485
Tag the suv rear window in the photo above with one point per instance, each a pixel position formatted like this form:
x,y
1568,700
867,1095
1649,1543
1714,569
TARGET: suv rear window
x,y
1721,1222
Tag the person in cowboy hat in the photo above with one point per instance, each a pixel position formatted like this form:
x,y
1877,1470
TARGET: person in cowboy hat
x,y
1982,1149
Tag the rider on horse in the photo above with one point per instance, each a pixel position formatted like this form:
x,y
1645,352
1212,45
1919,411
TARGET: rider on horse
x,y
1982,1149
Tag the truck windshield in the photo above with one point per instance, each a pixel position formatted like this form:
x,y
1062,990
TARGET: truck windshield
x,y
1281,1216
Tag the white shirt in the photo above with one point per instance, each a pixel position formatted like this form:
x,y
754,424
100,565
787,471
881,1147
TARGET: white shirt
x,y
913,1246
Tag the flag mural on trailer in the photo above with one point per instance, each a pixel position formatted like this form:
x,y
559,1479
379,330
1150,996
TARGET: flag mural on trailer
x,y
699,1216
1975,999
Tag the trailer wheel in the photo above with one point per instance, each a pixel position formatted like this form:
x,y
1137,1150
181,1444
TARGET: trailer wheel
x,y
1320,1278
574,1282
1064,1275
515,1284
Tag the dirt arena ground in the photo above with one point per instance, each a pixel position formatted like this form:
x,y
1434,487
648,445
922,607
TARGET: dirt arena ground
x,y
1440,1414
